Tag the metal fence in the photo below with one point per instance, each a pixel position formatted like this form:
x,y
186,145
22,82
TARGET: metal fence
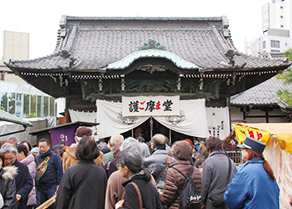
x,y
236,157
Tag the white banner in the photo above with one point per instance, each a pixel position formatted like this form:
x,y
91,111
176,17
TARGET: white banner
x,y
150,106
192,119
218,122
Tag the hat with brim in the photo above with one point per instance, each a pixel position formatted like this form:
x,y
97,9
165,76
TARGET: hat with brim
x,y
253,144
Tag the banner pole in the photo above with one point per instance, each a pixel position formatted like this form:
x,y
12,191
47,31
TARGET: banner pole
x,y
169,136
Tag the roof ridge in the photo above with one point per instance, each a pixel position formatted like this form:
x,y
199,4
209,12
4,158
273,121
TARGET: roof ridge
x,y
71,38
221,40
143,18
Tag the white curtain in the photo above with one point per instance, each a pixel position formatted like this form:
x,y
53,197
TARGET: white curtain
x,y
109,115
192,120
218,121
82,116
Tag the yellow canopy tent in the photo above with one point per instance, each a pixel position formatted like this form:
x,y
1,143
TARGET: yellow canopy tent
x,y
262,131
278,138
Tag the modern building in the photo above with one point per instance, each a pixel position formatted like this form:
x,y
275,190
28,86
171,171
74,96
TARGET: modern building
x,y
17,96
276,29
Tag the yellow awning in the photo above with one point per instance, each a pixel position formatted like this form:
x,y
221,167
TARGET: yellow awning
x,y
263,131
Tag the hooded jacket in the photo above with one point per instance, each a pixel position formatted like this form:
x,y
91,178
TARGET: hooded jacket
x,y
252,187
182,151
69,158
54,172
8,187
29,161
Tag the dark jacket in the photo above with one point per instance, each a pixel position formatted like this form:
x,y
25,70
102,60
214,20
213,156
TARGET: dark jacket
x,y
90,194
8,191
23,182
175,180
54,172
156,163
150,196
214,178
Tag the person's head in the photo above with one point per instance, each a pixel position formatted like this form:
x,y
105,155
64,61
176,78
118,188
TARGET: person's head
x,y
62,143
116,140
87,149
157,140
141,139
2,160
59,152
22,152
202,144
27,144
130,143
145,152
35,151
13,140
44,145
10,153
138,132
214,144
252,148
252,145
129,162
182,150
82,131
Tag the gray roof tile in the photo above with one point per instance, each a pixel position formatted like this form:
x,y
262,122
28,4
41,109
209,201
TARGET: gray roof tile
x,y
262,94
99,46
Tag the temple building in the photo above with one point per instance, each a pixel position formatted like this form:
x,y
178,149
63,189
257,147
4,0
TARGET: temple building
x,y
108,58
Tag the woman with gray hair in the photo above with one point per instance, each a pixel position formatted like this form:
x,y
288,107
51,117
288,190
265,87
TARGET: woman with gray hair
x,y
23,179
138,189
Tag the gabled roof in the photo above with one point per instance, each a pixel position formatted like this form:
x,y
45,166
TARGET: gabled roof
x,y
262,94
92,43
5,116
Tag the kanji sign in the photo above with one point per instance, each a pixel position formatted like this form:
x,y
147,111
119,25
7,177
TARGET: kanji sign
x,y
150,106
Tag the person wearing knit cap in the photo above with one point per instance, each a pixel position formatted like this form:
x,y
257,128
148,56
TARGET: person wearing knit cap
x,y
174,180
254,184
218,171
69,157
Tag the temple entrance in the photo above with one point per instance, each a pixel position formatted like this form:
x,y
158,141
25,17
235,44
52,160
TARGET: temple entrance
x,y
151,125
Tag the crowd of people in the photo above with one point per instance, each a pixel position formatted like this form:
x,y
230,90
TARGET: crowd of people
x,y
133,173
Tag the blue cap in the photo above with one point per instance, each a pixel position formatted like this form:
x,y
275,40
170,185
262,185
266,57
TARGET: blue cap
x,y
253,144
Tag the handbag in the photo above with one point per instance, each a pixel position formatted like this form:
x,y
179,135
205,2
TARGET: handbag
x,y
43,166
139,194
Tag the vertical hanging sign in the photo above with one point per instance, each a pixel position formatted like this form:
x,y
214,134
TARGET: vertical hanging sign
x,y
150,106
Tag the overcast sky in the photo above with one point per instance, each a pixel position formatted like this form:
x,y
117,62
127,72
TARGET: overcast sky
x,y
41,18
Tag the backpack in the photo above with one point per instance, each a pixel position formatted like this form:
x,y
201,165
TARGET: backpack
x,y
190,195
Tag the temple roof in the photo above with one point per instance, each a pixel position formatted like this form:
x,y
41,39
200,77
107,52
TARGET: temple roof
x,y
262,94
96,43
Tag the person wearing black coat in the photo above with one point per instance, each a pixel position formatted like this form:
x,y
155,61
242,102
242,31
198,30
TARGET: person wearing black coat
x,y
23,179
130,165
7,184
84,184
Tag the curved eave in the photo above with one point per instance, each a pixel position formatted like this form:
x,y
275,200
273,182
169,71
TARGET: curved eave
x,y
5,116
151,53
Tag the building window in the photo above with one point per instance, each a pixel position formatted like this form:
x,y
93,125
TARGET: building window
x,y
2,77
275,44
282,26
282,16
264,44
275,50
281,7
286,44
